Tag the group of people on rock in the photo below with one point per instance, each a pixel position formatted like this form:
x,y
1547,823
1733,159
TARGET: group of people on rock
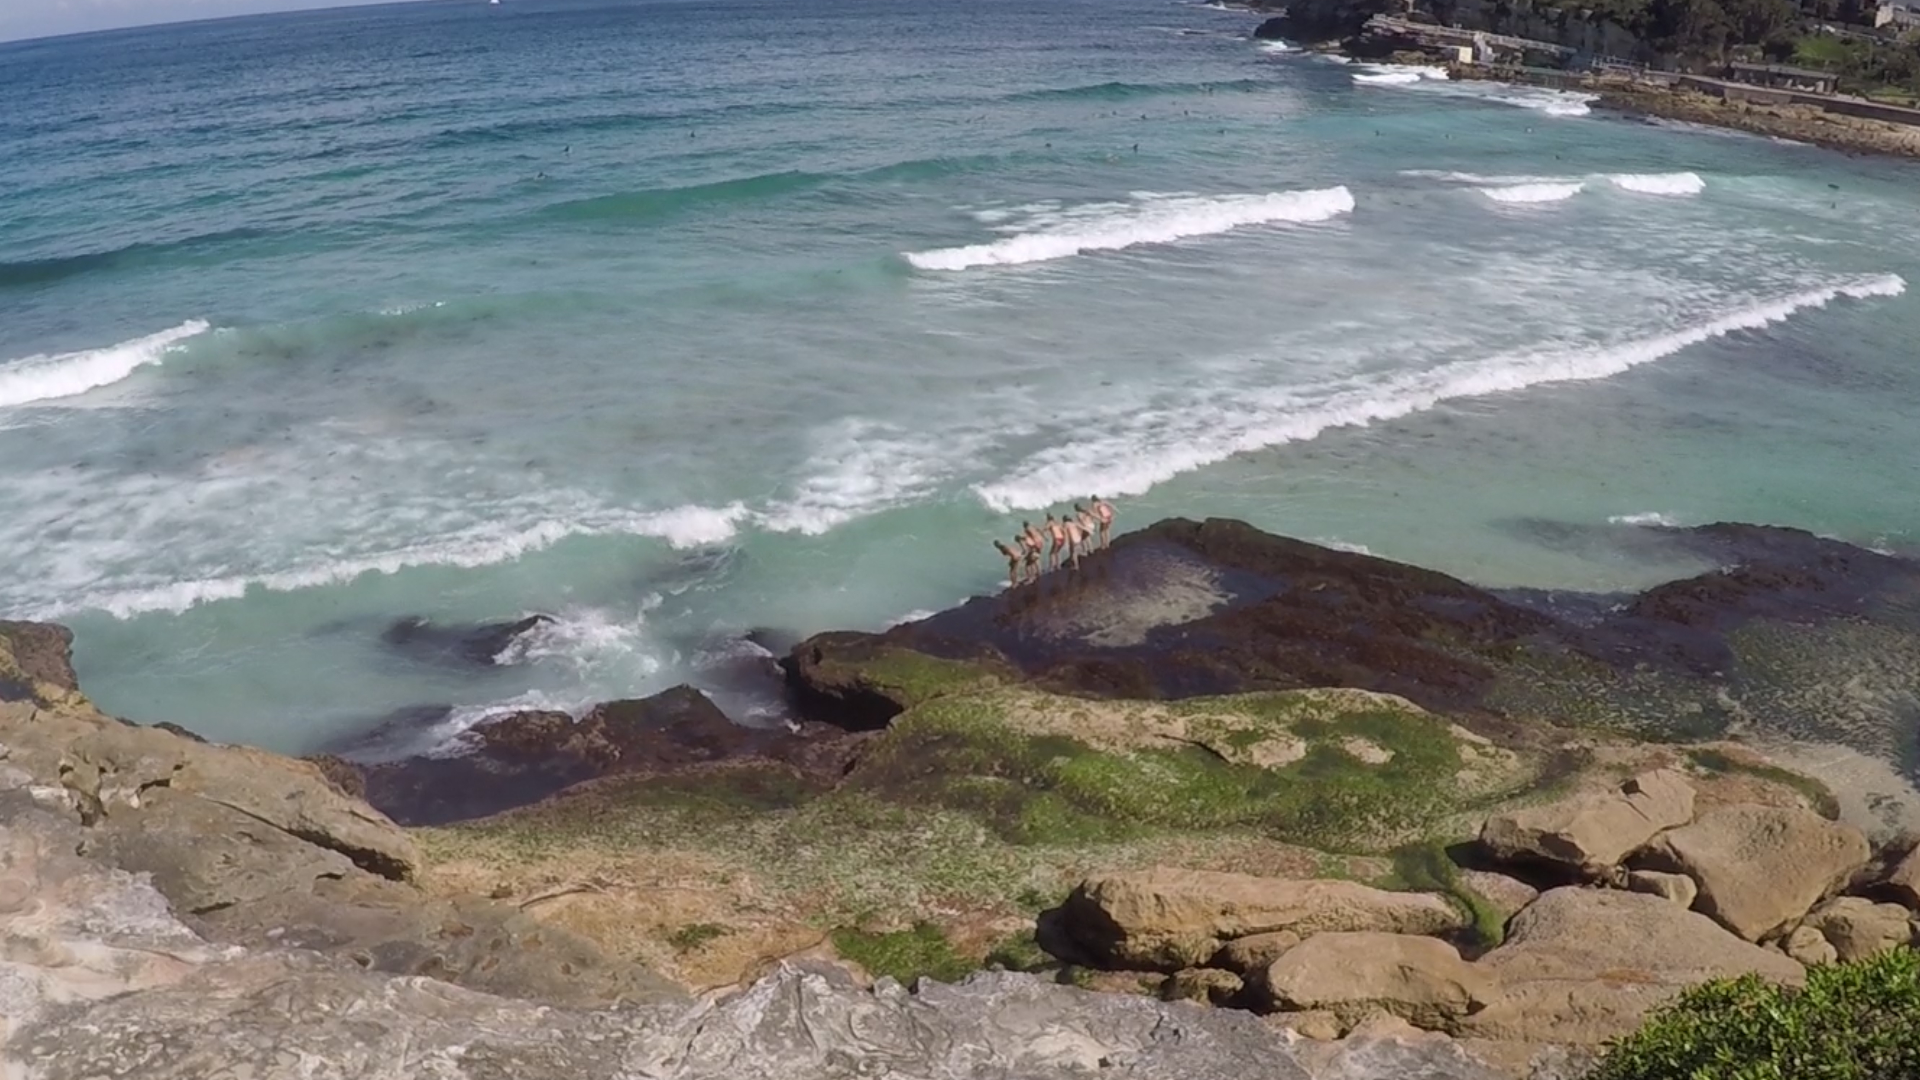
x,y
1086,530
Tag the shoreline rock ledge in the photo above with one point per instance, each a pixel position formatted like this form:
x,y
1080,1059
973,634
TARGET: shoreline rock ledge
x,y
1352,819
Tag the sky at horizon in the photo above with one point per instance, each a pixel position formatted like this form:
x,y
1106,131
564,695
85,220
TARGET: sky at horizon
x,y
21,20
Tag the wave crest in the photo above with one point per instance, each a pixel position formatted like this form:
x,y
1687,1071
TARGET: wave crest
x,y
1533,193
1682,183
1148,220
46,378
1161,444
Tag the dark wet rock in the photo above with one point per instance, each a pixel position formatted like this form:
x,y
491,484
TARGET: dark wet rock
x,y
775,641
523,757
1183,609
412,729
482,644
168,725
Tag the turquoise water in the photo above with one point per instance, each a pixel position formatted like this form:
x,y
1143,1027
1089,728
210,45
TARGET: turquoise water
x,y
680,318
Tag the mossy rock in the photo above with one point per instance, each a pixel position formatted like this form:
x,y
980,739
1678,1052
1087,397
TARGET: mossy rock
x,y
1361,772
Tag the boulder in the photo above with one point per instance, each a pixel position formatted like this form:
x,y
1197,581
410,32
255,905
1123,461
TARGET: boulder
x,y
1506,894
1904,882
1858,928
1589,834
1309,1024
1583,965
110,767
1421,980
1808,946
1208,986
1760,868
1254,953
1167,919
1678,888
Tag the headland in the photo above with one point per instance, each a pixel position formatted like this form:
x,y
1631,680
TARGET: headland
x,y
1218,797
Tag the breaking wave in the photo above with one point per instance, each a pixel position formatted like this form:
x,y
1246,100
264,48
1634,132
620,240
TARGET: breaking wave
x,y
1533,193
1684,183
46,378
1148,219
1158,444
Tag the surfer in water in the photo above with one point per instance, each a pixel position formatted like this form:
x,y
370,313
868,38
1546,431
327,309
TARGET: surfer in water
x,y
1103,510
1013,561
1058,534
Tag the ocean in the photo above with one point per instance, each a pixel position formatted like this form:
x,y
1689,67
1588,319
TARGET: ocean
x,y
677,319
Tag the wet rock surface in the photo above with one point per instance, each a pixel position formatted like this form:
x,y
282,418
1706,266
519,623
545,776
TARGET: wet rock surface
x,y
1183,609
523,757
474,645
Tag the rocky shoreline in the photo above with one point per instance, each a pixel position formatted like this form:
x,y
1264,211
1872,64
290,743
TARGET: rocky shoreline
x,y
1640,98
1283,804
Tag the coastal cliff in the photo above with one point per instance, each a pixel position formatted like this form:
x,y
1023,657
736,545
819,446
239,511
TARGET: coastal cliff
x,y
1286,805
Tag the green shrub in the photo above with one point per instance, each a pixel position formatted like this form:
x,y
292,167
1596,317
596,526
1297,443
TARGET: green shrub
x,y
1854,1021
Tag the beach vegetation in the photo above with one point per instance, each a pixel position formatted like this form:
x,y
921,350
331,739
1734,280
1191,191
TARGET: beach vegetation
x,y
1858,1020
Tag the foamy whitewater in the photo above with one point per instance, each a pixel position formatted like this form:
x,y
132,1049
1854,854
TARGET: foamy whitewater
x,y
727,326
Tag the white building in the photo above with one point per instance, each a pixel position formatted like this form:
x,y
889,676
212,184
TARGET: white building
x,y
1899,14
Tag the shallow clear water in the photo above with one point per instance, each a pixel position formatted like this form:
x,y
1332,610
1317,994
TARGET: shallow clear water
x,y
677,318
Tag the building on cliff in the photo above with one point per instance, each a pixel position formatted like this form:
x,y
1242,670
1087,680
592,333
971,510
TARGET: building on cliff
x,y
1897,14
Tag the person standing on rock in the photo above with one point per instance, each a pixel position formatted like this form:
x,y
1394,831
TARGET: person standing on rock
x,y
1089,524
1013,561
1058,533
1103,510
1030,541
1076,539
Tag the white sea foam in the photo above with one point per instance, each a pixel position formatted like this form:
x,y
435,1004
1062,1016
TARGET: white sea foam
x,y
584,639
46,378
1650,517
1561,103
1684,183
1158,444
486,544
1399,74
1148,219
1482,179
859,467
1278,47
1533,193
